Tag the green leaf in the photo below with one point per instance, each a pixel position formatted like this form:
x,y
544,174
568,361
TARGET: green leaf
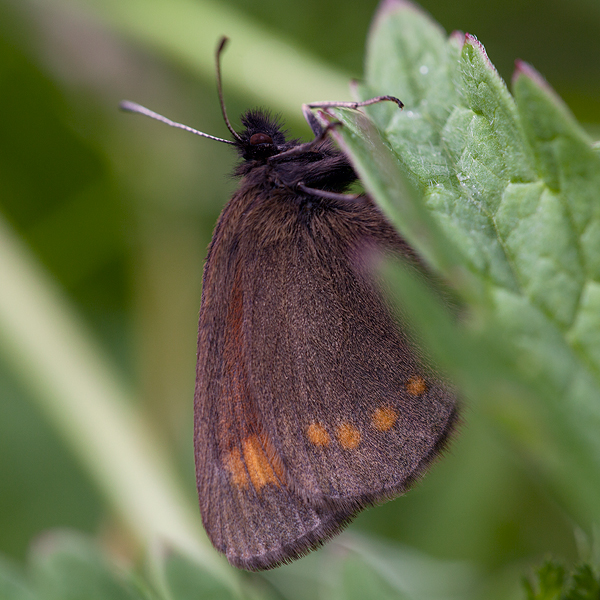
x,y
500,195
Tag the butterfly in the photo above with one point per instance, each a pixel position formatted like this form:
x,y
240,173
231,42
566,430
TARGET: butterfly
x,y
312,400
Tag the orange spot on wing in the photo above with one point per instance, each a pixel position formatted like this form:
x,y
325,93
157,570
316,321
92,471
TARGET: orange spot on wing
x,y
416,386
348,436
384,418
262,463
317,435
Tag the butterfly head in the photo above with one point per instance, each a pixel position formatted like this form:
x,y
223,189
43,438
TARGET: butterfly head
x,y
263,136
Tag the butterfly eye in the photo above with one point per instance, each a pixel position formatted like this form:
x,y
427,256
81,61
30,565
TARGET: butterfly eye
x,y
260,138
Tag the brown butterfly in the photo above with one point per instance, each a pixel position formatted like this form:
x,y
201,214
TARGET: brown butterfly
x,y
311,401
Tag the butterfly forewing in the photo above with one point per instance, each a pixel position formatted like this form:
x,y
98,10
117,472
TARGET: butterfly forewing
x,y
250,511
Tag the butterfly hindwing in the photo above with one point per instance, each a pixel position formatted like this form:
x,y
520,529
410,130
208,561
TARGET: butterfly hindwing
x,y
354,425
299,424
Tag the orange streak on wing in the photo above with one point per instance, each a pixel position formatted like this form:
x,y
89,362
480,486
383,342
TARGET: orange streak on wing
x,y
257,463
235,465
262,468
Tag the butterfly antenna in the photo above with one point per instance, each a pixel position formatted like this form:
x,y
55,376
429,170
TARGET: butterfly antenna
x,y
220,49
133,107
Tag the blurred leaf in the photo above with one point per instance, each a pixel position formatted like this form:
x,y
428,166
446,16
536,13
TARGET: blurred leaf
x,y
551,582
13,585
511,186
359,581
186,579
357,566
189,30
397,571
586,584
66,566
548,584
81,394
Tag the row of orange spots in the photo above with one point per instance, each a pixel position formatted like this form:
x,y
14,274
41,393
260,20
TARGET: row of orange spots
x,y
383,419
256,463
347,435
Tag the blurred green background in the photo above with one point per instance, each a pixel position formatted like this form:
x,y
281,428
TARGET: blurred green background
x,y
117,212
